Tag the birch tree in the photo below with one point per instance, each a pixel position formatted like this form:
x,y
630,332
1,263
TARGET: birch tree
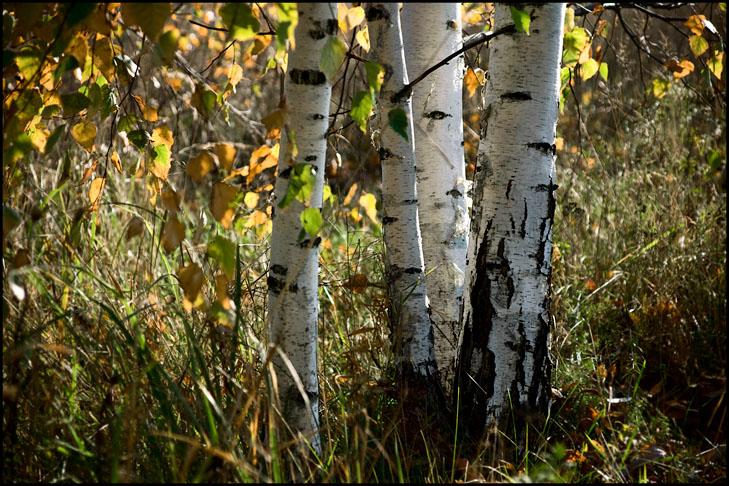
x,y
293,271
504,366
404,256
432,31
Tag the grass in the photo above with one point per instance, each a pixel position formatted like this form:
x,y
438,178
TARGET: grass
x,y
106,377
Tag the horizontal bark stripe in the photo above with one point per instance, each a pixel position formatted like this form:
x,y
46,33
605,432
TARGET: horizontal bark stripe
x,y
312,77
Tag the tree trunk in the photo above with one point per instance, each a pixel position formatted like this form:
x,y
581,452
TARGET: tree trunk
x,y
294,267
431,31
413,338
504,365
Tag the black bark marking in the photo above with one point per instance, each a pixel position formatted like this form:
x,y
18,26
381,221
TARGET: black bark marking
x,y
286,173
317,116
508,188
506,271
485,122
543,147
279,269
546,187
388,220
332,26
451,24
408,202
310,158
384,154
276,285
307,243
436,115
476,336
312,77
516,96
374,12
542,373
454,193
513,225
541,258
319,31
522,230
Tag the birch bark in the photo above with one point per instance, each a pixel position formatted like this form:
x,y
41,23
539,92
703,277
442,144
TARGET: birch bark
x,y
413,334
431,31
504,366
293,272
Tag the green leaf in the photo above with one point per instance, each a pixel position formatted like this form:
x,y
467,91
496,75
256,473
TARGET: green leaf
x,y
74,103
28,59
716,64
21,146
108,101
301,184
589,69
361,109
204,100
223,251
375,75
283,31
659,86
311,220
139,138
161,154
126,123
570,57
239,19
398,121
569,19
68,63
521,19
151,17
604,70
77,11
332,55
53,137
577,39
698,45
164,49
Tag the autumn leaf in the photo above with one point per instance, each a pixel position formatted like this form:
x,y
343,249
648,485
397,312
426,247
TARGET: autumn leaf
x,y
375,77
226,155
698,44
659,86
103,56
350,194
695,23
139,138
170,199
473,80
173,234
78,48
220,199
160,164
240,21
135,228
151,17
97,185
589,69
163,135
89,170
256,218
164,50
716,63
604,70
191,280
270,159
273,123
355,16
369,203
85,134
342,17
198,167
149,113
235,74
223,251
680,69
357,283
203,100
363,38
251,200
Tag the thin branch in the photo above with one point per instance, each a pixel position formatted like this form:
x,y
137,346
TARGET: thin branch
x,y
469,43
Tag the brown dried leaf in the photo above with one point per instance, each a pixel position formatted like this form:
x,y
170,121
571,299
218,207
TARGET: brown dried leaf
x,y
220,199
135,228
357,284
173,234
171,200
191,280
97,185
226,155
198,167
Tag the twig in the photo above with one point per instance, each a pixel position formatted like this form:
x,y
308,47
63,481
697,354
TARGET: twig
x,y
469,43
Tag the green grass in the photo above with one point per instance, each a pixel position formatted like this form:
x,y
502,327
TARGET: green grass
x,y
107,378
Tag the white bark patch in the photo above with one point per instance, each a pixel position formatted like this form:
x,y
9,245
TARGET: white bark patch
x,y
506,335
431,31
293,272
405,271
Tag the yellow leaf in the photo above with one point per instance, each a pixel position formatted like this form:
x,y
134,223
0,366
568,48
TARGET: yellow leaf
x,y
350,194
235,75
585,54
103,55
220,199
716,64
221,288
473,80
251,200
559,143
357,284
273,123
116,161
698,45
342,17
198,167
38,138
149,113
695,24
173,234
369,203
270,159
85,134
256,218
151,17
355,16
226,155
97,185
163,135
191,280
78,48
363,38
355,216
243,171
135,228
680,69
171,199
89,170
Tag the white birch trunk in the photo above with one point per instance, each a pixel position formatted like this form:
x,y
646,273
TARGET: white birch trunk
x,y
431,31
293,303
504,364
404,260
